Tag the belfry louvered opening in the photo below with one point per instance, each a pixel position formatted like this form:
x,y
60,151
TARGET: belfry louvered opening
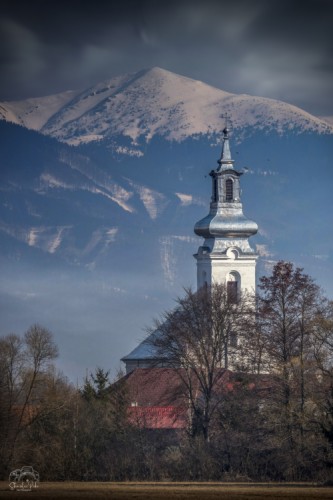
x,y
229,190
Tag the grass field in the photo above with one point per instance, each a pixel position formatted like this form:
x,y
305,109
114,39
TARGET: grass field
x,y
169,491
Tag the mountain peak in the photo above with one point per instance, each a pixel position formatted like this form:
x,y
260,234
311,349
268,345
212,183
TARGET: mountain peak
x,y
151,102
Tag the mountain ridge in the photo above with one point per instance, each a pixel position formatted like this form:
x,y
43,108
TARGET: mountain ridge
x,y
154,102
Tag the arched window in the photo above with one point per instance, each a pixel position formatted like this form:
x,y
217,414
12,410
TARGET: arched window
x,y
232,292
229,190
233,287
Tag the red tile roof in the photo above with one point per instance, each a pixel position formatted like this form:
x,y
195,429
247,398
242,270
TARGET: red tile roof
x,y
158,397
159,387
156,417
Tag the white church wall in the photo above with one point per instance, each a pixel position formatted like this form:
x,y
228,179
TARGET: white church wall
x,y
218,271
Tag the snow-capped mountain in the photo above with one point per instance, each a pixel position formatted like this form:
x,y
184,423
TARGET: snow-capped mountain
x,y
151,103
101,188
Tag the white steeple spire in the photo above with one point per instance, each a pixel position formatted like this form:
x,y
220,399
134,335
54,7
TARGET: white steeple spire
x,y
226,253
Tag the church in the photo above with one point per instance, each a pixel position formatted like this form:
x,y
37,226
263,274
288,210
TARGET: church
x,y
225,257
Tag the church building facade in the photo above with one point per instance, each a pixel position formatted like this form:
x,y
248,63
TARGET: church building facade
x,y
225,257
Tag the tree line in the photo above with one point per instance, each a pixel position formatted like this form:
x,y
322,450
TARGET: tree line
x,y
275,422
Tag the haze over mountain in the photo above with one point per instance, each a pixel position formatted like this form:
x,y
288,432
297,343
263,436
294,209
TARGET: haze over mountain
x,y
100,196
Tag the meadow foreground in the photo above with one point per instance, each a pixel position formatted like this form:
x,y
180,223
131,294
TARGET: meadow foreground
x,y
170,491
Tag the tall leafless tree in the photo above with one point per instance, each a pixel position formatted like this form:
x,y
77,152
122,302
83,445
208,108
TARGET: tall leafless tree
x,y
289,300
201,338
23,362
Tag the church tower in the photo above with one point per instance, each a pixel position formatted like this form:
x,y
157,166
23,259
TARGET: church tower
x,y
226,255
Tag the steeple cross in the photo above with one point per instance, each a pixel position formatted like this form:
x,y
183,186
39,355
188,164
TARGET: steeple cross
x,y
227,120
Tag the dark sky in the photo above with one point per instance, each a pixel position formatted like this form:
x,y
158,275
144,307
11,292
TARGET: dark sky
x,y
280,49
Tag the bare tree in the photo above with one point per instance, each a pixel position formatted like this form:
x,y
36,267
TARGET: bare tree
x,y
323,333
201,338
23,362
11,369
289,301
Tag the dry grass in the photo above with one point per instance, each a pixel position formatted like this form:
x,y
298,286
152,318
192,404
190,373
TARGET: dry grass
x,y
169,491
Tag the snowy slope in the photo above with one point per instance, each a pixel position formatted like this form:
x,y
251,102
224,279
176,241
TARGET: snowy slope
x,y
153,102
327,119
35,112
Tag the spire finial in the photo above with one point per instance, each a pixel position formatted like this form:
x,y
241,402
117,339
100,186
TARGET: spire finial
x,y
225,161
226,129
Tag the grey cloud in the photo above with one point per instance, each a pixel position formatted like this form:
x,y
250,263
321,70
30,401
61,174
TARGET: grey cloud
x,y
277,49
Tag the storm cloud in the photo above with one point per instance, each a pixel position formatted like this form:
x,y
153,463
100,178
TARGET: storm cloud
x,y
277,49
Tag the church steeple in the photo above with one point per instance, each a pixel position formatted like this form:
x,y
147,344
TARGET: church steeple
x,y
226,253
